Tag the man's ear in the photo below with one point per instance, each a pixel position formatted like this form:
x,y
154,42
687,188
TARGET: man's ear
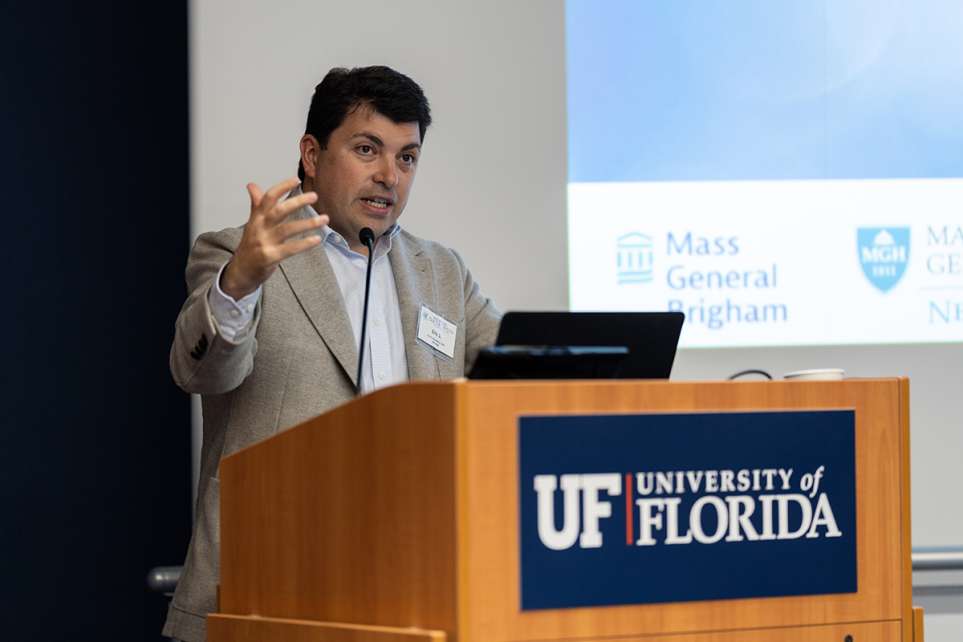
x,y
310,154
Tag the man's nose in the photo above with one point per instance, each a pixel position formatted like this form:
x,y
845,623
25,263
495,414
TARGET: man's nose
x,y
387,174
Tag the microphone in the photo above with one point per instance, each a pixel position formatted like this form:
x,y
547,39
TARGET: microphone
x,y
366,236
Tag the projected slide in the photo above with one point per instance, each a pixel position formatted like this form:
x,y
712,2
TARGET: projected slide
x,y
783,172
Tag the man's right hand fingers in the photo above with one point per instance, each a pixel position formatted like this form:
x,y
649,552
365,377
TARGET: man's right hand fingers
x,y
293,228
256,195
296,247
277,191
285,208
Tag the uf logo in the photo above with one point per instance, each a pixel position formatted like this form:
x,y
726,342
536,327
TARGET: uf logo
x,y
883,254
634,258
593,509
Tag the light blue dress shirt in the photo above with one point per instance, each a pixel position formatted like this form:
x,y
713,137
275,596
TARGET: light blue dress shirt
x,y
385,362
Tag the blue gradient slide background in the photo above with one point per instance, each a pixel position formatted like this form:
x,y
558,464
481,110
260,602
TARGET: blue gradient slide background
x,y
756,89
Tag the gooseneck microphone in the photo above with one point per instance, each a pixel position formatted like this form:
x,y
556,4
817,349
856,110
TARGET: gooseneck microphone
x,y
366,236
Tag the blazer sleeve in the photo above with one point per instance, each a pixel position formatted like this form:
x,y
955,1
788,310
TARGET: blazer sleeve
x,y
482,318
202,360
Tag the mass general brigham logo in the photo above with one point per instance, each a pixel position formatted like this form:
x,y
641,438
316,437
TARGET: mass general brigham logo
x,y
883,254
633,259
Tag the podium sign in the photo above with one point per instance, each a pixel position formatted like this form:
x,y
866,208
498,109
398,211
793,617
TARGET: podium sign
x,y
648,508
563,511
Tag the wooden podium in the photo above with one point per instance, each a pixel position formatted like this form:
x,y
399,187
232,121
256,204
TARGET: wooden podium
x,y
395,517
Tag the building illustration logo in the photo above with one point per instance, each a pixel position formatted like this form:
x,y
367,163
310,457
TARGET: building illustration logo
x,y
883,254
633,259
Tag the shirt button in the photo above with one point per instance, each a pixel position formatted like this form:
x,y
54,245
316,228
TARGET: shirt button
x,y
376,323
381,375
235,313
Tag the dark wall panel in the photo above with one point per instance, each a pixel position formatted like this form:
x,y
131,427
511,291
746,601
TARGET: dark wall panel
x,y
95,438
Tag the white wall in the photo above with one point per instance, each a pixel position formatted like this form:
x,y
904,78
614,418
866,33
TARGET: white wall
x,y
492,179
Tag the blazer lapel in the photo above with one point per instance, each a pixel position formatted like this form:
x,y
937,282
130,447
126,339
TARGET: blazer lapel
x,y
316,288
413,280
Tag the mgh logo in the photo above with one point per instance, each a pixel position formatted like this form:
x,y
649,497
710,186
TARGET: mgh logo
x,y
883,254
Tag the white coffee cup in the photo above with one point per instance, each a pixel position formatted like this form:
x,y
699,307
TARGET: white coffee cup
x,y
817,374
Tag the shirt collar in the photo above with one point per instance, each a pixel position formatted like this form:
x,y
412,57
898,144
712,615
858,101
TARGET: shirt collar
x,y
382,244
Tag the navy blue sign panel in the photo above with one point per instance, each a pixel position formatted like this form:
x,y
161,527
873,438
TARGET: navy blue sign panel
x,y
634,509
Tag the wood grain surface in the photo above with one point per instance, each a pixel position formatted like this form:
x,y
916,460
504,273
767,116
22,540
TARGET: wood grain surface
x,y
349,517
236,628
489,563
400,509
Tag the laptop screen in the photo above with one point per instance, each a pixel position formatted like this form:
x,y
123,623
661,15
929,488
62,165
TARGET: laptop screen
x,y
650,337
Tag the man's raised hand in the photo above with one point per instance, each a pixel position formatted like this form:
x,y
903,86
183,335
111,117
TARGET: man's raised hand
x,y
267,238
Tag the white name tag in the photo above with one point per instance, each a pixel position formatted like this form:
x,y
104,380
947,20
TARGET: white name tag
x,y
437,331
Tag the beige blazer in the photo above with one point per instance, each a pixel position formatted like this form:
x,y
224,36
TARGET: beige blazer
x,y
299,360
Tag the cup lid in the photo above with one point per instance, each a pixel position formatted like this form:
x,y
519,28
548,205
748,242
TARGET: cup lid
x,y
817,374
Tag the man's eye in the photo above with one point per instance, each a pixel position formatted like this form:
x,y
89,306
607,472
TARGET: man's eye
x,y
365,149
409,159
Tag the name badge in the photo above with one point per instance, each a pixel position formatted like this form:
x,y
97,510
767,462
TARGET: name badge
x,y
437,332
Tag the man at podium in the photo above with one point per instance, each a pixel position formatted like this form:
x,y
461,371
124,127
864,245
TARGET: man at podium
x,y
269,334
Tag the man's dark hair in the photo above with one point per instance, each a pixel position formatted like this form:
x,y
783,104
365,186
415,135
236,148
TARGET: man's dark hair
x,y
391,94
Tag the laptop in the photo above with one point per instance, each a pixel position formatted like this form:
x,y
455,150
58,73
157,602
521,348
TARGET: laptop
x,y
582,345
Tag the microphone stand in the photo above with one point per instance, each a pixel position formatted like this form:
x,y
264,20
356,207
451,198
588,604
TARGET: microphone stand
x,y
366,236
